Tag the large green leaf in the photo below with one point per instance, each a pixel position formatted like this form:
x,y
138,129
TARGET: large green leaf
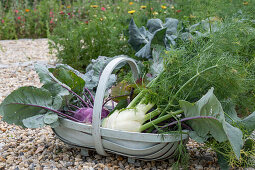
x,y
156,39
137,37
171,32
218,128
41,120
159,34
156,63
14,108
154,25
94,71
67,76
229,109
34,121
249,122
50,118
48,83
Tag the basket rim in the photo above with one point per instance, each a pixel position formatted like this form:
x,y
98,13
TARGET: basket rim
x,y
172,136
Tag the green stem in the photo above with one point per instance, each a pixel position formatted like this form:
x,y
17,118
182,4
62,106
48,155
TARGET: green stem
x,y
152,114
192,78
160,119
183,86
138,98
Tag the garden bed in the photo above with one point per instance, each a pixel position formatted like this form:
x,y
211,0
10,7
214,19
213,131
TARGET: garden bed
x,y
37,148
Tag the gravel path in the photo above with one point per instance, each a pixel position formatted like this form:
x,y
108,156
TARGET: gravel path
x,y
39,148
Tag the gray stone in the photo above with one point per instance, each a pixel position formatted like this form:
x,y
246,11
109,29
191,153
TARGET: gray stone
x,y
84,152
1,145
131,160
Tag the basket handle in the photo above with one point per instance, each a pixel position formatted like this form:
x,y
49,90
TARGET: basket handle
x,y
101,88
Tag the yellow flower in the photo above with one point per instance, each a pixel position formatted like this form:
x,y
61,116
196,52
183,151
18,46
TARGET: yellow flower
x,y
93,6
69,6
143,7
245,3
101,19
131,12
131,3
215,19
192,16
163,7
27,10
155,13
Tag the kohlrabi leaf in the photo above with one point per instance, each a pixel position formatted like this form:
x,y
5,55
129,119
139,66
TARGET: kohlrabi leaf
x,y
204,28
234,135
57,102
249,122
229,109
156,39
137,37
211,24
154,25
69,78
34,121
218,128
159,34
39,121
144,52
171,31
156,65
50,118
121,89
15,108
193,135
95,69
48,83
54,124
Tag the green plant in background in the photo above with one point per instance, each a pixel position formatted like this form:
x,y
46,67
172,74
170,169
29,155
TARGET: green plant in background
x,y
83,42
78,29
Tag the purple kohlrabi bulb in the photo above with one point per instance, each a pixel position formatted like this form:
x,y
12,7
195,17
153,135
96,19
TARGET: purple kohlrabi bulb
x,y
104,113
85,114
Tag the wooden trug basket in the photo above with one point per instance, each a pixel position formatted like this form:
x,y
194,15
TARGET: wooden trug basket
x,y
145,146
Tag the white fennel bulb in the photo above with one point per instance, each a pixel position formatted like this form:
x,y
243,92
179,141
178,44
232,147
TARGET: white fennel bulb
x,y
130,119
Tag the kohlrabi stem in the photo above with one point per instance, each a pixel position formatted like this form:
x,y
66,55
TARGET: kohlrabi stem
x,y
189,118
76,107
85,88
183,86
160,119
87,98
110,98
70,111
152,114
79,97
55,111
